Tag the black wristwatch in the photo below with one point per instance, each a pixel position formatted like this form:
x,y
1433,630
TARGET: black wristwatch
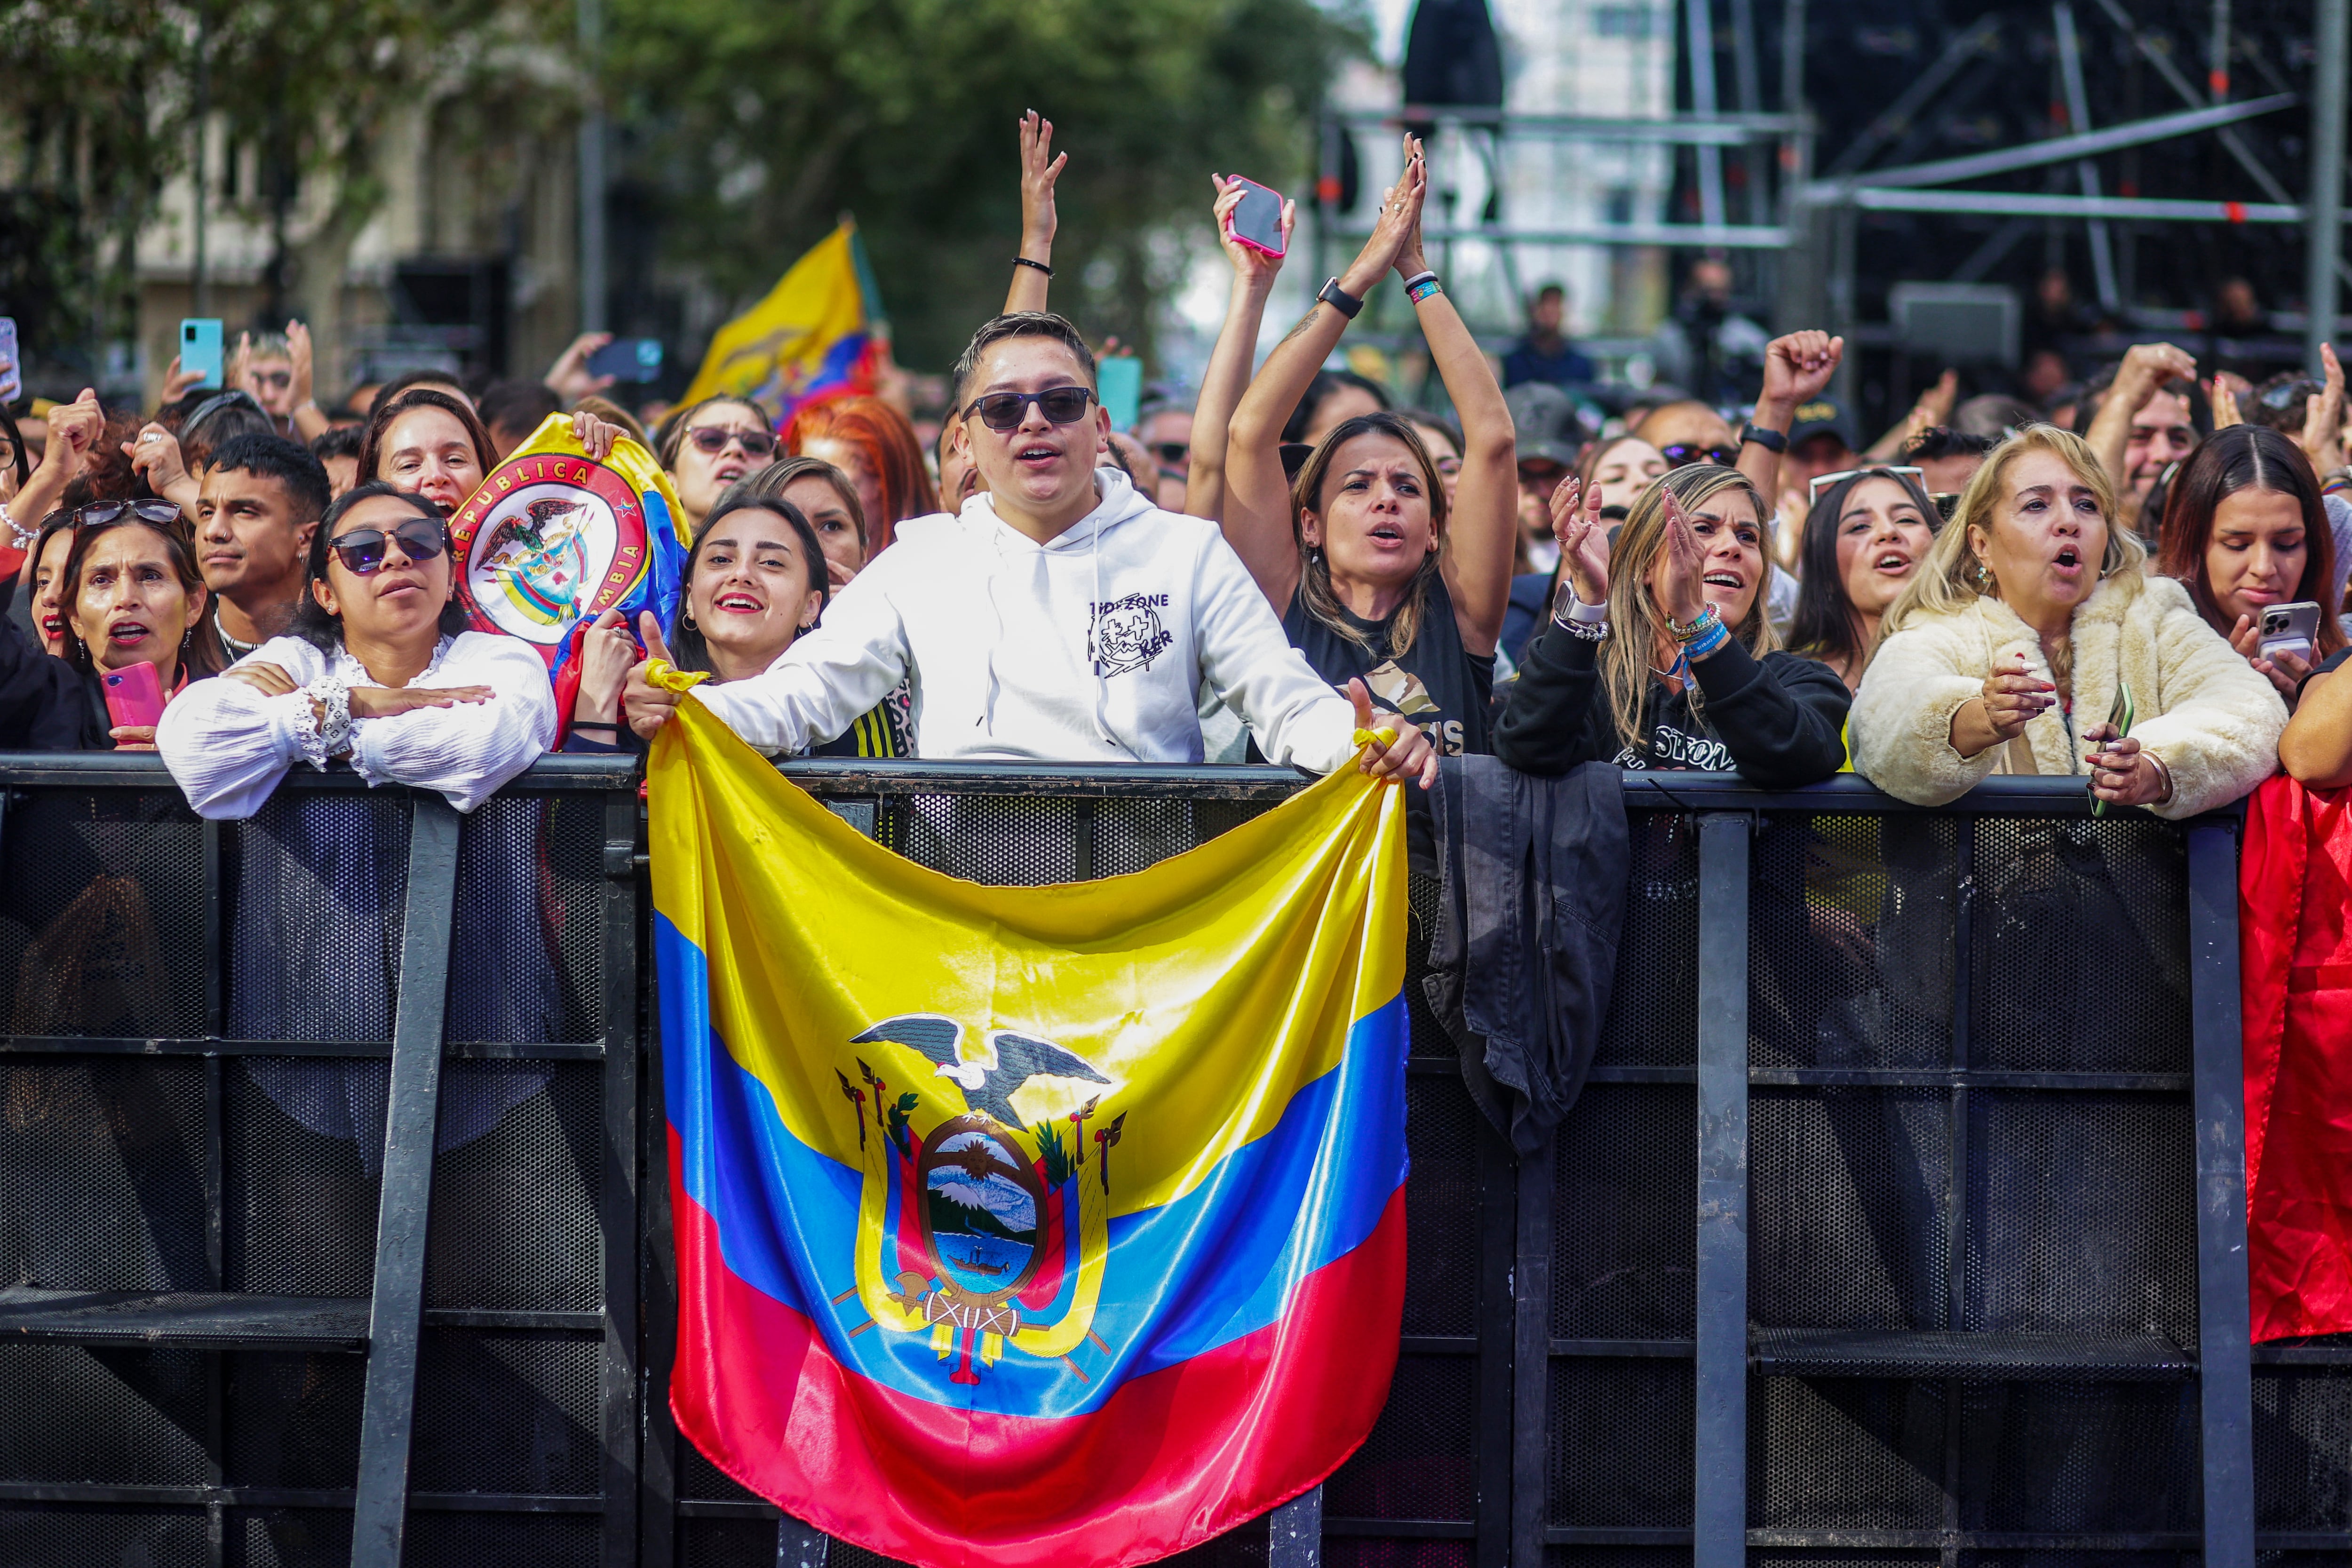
x,y
1770,440
1339,298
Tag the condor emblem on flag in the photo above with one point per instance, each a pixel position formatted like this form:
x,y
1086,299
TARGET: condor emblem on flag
x,y
1038,1227
553,538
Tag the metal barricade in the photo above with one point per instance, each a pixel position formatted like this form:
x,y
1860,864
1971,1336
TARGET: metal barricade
x,y
1900,1220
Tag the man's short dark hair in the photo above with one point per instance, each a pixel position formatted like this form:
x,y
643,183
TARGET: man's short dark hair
x,y
517,406
302,476
2280,401
1940,441
342,441
1551,289
1016,324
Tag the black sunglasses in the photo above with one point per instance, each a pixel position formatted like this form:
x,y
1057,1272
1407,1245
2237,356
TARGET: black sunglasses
x,y
362,550
713,440
1005,410
1682,455
1173,452
104,512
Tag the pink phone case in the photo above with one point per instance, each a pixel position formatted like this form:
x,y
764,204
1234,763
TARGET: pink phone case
x,y
1245,239
134,696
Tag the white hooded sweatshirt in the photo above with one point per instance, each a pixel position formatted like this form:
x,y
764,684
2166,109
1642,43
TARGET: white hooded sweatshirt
x,y
1092,648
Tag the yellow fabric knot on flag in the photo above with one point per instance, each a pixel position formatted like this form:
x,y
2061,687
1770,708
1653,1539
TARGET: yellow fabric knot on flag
x,y
669,677
1383,737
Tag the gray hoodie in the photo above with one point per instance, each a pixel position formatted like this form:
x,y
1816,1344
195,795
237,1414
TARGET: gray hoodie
x,y
1093,648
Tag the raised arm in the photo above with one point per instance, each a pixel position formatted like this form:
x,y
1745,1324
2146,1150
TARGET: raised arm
x,y
2145,368
1484,522
1039,169
1258,495
1797,368
1229,362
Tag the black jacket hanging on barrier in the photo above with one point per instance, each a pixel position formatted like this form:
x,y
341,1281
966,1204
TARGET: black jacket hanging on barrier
x,y
1524,951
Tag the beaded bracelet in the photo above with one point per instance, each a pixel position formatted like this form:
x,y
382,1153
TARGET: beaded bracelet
x,y
1716,634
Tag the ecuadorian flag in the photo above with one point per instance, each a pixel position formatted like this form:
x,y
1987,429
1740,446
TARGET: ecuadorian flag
x,y
812,337
1039,1227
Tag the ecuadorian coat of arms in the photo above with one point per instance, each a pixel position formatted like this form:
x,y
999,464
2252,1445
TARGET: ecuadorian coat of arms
x,y
979,1229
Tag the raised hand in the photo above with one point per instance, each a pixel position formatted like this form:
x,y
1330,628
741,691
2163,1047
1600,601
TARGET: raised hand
x,y
1583,540
596,435
177,383
607,653
1400,217
1040,167
1250,264
568,378
1680,577
2323,416
1411,259
1408,755
2147,368
2225,404
1798,367
154,454
297,349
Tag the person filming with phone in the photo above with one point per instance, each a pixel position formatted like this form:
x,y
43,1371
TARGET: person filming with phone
x,y
2245,529
137,634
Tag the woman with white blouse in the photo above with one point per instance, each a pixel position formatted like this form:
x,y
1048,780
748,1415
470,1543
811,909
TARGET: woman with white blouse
x,y
378,670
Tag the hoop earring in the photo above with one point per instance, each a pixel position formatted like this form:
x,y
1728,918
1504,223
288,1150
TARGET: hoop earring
x,y
1984,576
686,618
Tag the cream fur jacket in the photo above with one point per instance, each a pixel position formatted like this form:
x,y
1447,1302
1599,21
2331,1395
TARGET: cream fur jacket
x,y
2200,707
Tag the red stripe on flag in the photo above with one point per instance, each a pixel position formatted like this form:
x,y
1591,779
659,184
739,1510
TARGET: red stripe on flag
x,y
1170,1459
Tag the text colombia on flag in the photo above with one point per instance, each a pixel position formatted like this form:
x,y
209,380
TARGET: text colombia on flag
x,y
1046,1225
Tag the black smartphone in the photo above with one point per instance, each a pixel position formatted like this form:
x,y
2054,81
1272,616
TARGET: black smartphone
x,y
1257,221
627,359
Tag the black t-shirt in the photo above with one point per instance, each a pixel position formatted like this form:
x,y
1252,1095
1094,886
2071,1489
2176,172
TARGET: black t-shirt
x,y
1438,685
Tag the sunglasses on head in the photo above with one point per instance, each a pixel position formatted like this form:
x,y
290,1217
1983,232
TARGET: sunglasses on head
x,y
104,512
1006,410
362,550
1682,455
1821,481
713,440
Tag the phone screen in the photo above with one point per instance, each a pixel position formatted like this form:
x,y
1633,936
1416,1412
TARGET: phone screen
x,y
1258,220
11,380
627,359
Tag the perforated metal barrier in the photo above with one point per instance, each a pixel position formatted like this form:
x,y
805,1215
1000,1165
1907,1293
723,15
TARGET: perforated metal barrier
x,y
1900,1221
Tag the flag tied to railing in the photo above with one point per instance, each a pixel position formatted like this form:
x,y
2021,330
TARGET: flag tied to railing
x,y
1027,1227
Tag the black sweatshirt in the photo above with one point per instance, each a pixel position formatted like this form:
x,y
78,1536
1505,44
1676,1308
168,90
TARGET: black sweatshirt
x,y
1779,720
46,704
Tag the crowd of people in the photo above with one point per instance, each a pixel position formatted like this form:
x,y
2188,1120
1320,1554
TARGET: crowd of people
x,y
2086,590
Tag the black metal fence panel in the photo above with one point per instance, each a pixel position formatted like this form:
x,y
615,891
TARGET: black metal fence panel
x,y
1954,1300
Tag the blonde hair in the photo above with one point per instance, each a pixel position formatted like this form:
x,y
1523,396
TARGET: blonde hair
x,y
1949,582
1636,620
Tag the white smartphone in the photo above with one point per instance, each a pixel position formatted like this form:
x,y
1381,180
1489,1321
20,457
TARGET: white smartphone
x,y
2290,629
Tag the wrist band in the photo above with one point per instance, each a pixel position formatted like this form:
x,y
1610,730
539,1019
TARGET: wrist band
x,y
1426,275
1339,298
595,724
1422,288
1770,440
1691,632
1714,638
1024,261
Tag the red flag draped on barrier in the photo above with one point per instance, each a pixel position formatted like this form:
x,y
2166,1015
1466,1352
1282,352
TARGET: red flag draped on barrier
x,y
2294,935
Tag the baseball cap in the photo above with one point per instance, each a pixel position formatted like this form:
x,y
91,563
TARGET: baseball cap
x,y
1821,417
1550,429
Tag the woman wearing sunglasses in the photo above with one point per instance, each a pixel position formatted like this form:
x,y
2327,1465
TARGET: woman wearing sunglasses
x,y
378,670
129,595
1375,576
710,445
1866,531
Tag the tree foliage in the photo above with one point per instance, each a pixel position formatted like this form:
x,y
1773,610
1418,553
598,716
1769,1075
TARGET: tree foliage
x,y
757,121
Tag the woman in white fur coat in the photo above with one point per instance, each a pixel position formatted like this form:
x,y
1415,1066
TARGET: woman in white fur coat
x,y
2005,654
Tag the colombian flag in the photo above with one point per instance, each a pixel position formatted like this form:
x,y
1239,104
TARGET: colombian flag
x,y
811,338
1040,1228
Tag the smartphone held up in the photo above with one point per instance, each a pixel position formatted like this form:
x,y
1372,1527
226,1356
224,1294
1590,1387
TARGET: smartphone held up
x,y
1257,221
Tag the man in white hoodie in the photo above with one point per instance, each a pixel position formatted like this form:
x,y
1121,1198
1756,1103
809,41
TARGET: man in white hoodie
x,y
1060,616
